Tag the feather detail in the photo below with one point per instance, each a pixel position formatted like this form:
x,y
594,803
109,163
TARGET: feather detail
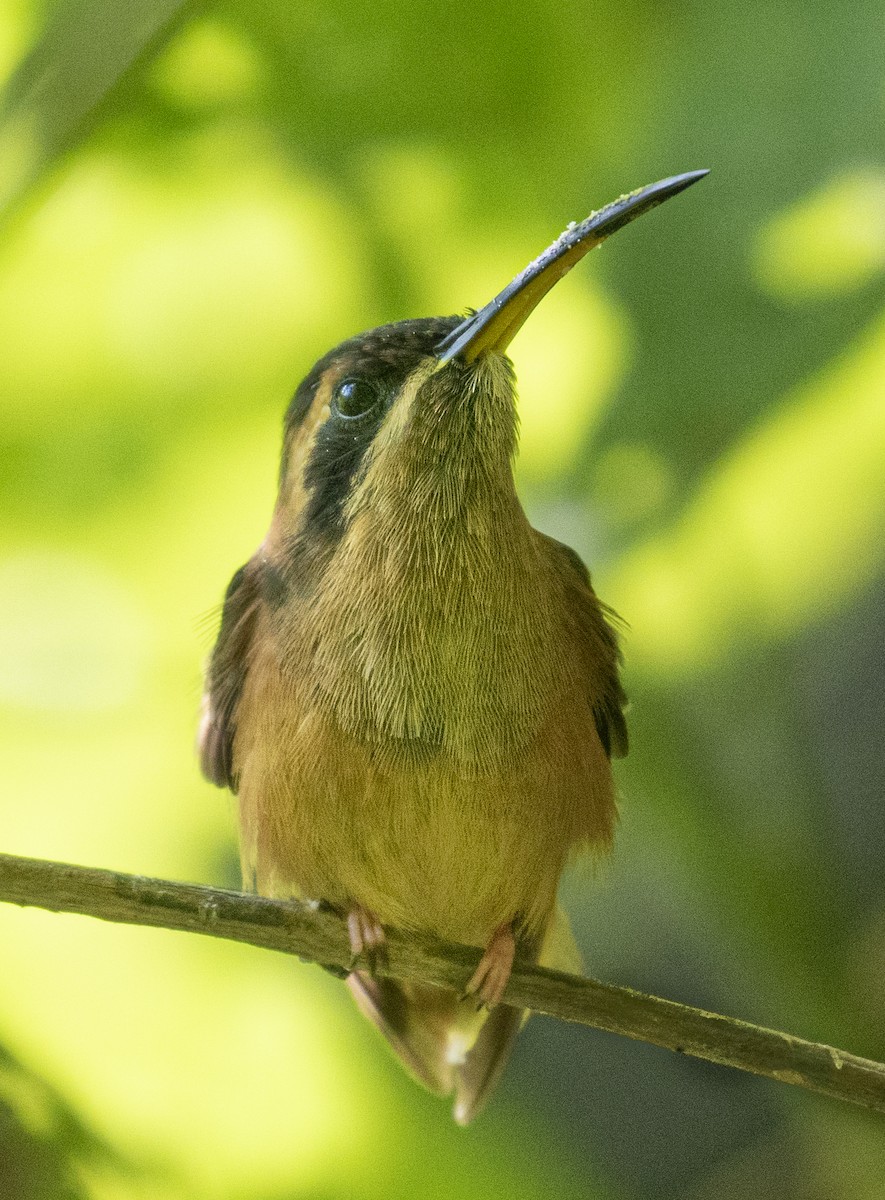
x,y
596,624
226,676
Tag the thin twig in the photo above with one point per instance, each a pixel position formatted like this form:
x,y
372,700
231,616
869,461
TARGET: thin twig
x,y
319,936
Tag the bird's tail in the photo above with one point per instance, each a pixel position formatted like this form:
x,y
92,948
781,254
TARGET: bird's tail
x,y
442,1040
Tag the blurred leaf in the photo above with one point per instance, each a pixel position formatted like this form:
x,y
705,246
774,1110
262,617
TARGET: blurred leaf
x,y
828,243
85,49
786,527
44,1143
211,63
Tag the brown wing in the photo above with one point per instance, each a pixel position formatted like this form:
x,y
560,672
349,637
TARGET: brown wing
x,y
603,656
226,675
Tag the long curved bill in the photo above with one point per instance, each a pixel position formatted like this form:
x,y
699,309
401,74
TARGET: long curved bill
x,y
494,327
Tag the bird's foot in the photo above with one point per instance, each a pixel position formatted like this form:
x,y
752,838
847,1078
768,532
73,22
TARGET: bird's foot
x,y
367,937
489,981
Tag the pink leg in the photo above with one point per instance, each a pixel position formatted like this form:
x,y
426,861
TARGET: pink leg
x,y
366,936
489,981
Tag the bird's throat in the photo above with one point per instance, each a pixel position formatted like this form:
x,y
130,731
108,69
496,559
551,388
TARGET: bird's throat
x,y
432,623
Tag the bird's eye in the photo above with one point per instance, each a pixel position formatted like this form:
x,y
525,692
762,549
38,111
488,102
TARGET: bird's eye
x,y
354,398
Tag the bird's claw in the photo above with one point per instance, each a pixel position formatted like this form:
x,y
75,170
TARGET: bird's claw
x,y
367,937
489,981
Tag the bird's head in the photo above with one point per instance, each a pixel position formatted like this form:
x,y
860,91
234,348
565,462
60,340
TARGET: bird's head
x,y
419,417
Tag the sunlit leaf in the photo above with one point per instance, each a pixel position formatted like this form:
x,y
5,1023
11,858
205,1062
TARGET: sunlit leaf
x,y
210,63
53,653
786,527
827,243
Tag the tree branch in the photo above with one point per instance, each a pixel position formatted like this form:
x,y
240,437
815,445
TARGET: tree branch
x,y
319,936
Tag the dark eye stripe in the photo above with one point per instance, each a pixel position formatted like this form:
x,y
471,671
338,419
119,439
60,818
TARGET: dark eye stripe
x,y
381,358
338,451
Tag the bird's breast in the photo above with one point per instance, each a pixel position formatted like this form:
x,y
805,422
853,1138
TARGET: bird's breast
x,y
416,731
450,640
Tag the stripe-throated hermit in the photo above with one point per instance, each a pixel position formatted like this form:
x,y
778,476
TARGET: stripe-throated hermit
x,y
414,694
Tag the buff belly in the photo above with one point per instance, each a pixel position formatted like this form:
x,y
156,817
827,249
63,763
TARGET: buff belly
x,y
424,842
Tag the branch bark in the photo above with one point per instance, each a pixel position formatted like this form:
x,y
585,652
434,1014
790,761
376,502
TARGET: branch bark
x,y
315,935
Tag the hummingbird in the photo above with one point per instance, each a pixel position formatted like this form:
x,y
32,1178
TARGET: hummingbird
x,y
414,694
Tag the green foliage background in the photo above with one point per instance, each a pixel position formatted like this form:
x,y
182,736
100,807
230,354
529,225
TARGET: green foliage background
x,y
201,199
